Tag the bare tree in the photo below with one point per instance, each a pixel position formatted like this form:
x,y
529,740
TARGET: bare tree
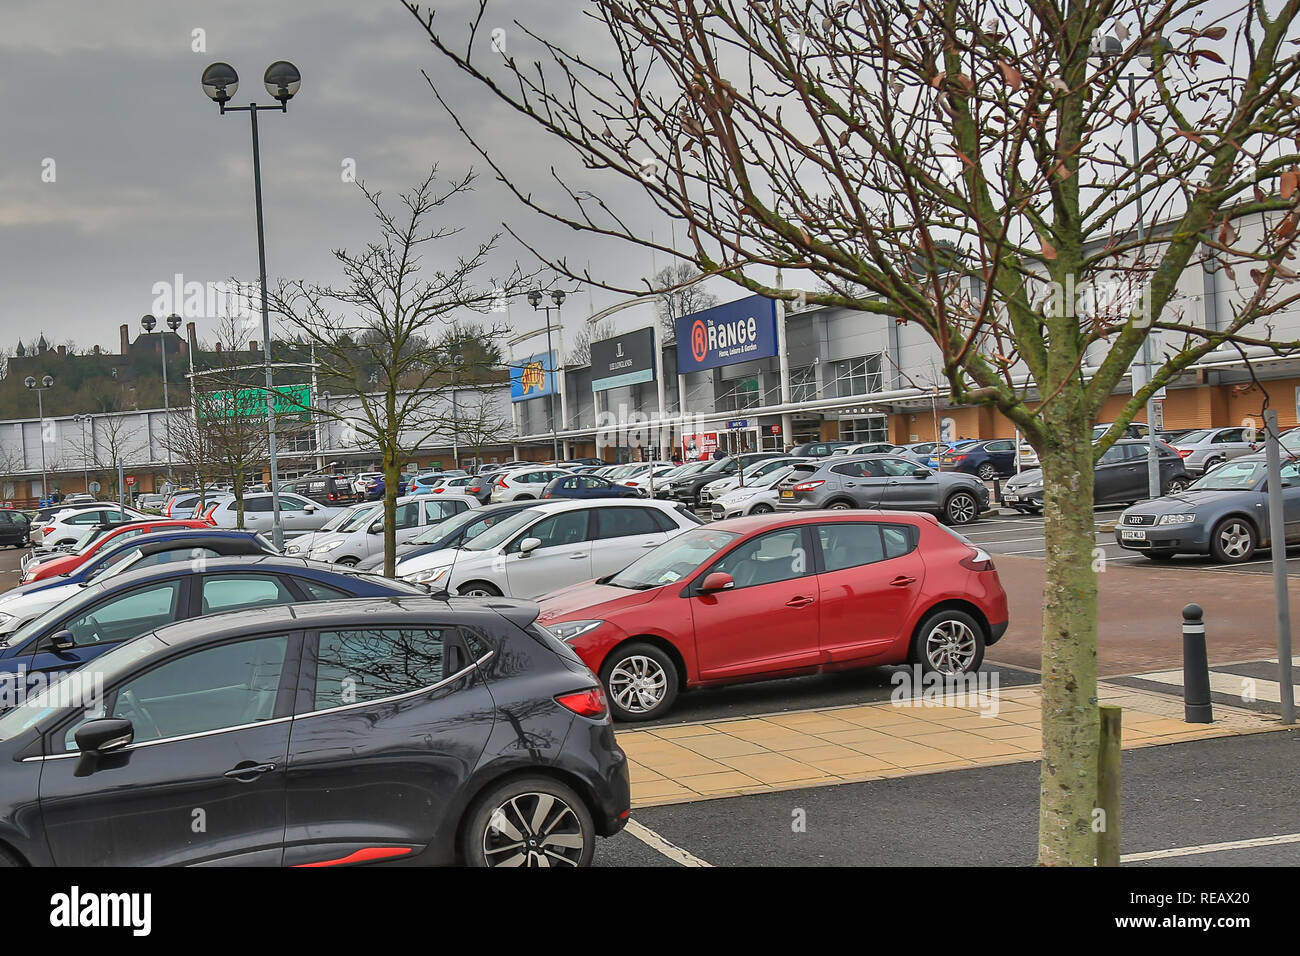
x,y
112,441
580,353
388,335
482,421
963,166
680,293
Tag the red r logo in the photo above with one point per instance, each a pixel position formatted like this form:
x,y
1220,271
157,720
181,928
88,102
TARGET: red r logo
x,y
699,341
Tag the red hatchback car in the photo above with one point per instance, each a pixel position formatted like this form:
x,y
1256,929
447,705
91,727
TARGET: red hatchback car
x,y
111,538
779,596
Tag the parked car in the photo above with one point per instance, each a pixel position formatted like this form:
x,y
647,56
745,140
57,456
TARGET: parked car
x,y
762,597
122,607
331,490
1120,475
15,528
524,483
375,488
361,483
349,518
422,483
686,488
757,497
49,511
393,746
480,485
360,540
451,533
67,527
554,544
101,537
648,475
151,502
1131,430
297,514
946,452
874,448
753,474
1208,448
1224,514
883,481
985,460
588,486
21,604
455,485
817,449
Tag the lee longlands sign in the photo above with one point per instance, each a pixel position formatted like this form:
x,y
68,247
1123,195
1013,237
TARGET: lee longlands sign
x,y
727,334
251,402
623,360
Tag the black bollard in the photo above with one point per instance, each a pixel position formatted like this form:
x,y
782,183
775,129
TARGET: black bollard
x,y
1197,708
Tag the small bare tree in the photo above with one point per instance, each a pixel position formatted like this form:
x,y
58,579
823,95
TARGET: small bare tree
x,y
382,336
680,293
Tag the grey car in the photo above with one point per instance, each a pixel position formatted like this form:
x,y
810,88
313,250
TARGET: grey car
x,y
882,481
1209,448
1223,514
1120,475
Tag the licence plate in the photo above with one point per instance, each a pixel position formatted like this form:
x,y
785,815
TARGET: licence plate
x,y
787,493
1133,534
1006,497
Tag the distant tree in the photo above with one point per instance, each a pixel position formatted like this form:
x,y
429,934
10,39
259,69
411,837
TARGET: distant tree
x,y
680,294
580,354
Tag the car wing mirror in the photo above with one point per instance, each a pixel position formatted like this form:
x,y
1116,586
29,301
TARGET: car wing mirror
x,y
104,735
717,581
62,640
529,545
921,473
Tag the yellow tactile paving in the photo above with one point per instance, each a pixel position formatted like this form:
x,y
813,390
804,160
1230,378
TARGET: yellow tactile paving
x,y
872,741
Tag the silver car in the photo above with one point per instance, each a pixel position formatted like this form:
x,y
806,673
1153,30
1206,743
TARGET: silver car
x,y
298,515
360,539
1209,448
882,481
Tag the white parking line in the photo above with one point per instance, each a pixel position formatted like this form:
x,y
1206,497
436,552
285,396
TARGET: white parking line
x,y
1210,848
658,843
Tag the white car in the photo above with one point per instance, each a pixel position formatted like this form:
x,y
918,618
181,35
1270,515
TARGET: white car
x,y
551,546
67,527
361,539
524,483
757,498
298,515
641,477
758,470
350,517
362,480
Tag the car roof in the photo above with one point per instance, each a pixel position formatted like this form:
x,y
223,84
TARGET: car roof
x,y
268,563
393,609
752,523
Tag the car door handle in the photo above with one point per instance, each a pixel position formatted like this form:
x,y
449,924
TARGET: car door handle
x,y
799,601
577,557
247,772
902,581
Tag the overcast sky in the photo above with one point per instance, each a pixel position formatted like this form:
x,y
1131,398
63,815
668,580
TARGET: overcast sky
x,y
149,180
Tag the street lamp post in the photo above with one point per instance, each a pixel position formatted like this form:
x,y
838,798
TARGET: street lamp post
x,y
46,382
535,300
173,323
282,80
85,454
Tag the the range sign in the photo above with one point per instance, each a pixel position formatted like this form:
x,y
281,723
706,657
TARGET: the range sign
x,y
623,360
531,377
727,334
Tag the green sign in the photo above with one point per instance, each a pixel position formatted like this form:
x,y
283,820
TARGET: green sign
x,y
290,400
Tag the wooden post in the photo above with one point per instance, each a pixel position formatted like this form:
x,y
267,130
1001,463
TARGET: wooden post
x,y
1108,786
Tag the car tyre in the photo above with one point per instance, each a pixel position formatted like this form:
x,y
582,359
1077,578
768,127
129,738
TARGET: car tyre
x,y
1233,541
839,506
949,642
640,680
986,472
1176,485
348,562
505,819
761,509
479,589
1212,464
961,508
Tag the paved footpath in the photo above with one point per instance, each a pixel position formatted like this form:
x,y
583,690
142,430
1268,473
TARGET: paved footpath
x,y
696,761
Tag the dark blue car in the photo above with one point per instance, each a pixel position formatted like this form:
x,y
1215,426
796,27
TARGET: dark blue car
x,y
125,606
587,486
983,459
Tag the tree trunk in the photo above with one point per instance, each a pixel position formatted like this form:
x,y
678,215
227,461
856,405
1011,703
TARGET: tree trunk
x,y
1069,681
392,488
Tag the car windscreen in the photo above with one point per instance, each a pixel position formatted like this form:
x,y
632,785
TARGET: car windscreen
x,y
1234,476
673,560
359,517
1192,438
500,533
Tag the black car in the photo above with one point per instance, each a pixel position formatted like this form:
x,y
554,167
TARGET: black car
x,y
333,490
406,730
687,489
15,528
818,449
1120,476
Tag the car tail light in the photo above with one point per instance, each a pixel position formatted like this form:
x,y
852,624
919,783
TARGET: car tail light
x,y
957,458
809,485
207,515
977,560
1183,452
501,482
45,531
585,703
438,491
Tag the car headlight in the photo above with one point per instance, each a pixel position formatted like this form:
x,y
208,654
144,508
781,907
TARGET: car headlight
x,y
1176,519
571,629
427,576
292,549
5,620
